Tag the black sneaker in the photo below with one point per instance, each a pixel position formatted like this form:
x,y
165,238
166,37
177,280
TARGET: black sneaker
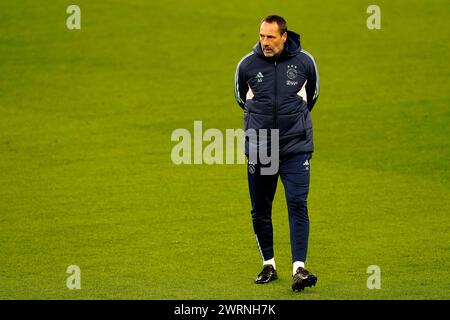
x,y
302,279
267,274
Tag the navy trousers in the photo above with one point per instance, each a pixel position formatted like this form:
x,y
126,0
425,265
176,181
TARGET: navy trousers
x,y
295,176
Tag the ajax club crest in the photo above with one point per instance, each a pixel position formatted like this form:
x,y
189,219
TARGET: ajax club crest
x,y
251,167
291,75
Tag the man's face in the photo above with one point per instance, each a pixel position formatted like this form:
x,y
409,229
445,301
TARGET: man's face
x,y
272,42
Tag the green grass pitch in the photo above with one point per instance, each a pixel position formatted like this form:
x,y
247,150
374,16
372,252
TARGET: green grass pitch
x,y
86,176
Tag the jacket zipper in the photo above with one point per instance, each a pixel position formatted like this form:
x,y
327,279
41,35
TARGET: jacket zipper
x,y
275,107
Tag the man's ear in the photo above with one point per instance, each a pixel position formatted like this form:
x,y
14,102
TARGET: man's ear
x,y
284,37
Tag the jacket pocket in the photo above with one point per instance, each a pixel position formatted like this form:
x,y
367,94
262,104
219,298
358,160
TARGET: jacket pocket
x,y
292,124
308,121
258,121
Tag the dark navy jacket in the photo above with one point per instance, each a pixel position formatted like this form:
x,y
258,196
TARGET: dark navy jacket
x,y
270,91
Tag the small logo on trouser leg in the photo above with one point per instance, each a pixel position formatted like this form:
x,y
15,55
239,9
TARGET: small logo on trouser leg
x,y
251,168
306,164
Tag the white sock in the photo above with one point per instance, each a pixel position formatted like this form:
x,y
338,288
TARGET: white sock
x,y
271,261
296,265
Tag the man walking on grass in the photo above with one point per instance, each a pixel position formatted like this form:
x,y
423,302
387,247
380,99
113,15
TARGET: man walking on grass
x,y
277,85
